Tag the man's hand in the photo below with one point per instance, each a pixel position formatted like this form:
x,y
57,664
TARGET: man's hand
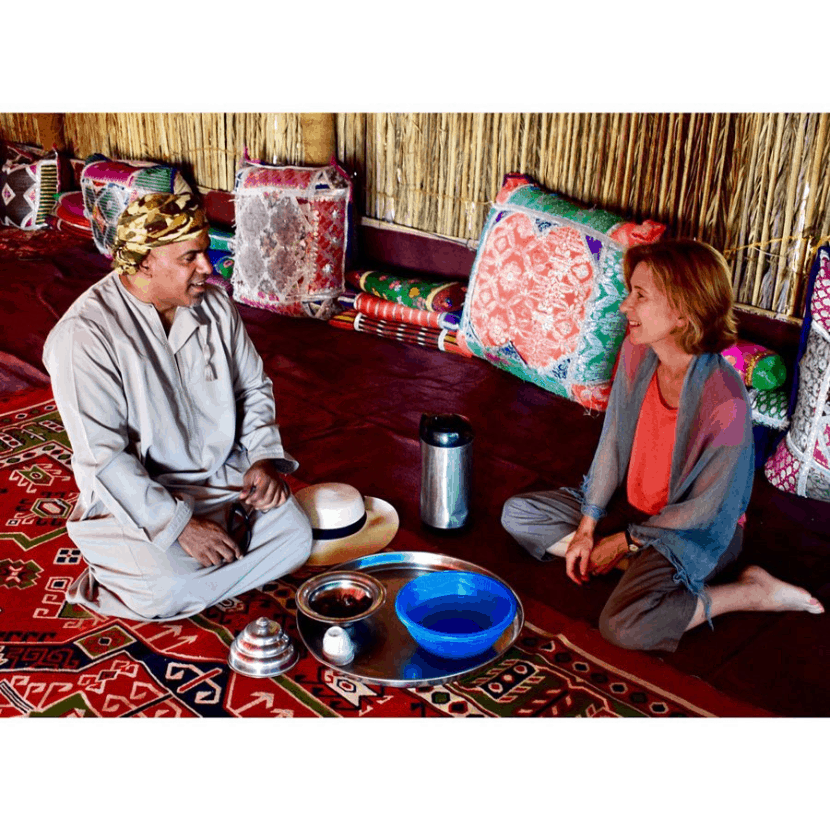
x,y
208,543
263,486
606,553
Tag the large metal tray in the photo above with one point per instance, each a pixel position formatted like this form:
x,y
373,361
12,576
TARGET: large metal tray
x,y
385,652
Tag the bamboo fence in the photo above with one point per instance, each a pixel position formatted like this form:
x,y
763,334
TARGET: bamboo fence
x,y
755,185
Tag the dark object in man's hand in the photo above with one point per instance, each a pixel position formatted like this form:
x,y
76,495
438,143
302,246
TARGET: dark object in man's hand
x,y
239,526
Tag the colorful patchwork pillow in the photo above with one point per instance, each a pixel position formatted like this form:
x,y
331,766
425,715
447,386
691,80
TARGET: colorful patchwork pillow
x,y
108,186
27,190
545,290
760,368
290,241
423,294
801,462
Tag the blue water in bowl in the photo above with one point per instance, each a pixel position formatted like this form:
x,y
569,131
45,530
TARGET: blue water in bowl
x,y
455,614
452,616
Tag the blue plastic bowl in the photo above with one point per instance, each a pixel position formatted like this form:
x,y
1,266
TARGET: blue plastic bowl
x,y
455,614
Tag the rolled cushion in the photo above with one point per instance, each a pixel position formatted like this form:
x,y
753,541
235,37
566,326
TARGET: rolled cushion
x,y
423,294
442,339
801,462
63,225
760,367
546,287
69,207
373,306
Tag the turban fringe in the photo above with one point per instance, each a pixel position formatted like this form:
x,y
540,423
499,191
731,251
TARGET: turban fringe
x,y
151,221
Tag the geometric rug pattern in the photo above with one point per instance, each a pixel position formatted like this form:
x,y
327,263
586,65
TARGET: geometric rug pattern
x,y
60,660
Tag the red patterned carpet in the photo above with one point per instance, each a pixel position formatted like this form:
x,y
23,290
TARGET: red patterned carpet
x,y
58,660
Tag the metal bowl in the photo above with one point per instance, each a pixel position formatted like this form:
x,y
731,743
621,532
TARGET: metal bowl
x,y
340,597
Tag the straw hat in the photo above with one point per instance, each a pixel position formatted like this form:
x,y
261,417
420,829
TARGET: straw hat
x,y
344,524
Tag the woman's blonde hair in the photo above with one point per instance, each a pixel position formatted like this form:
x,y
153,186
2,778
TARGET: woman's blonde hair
x,y
696,280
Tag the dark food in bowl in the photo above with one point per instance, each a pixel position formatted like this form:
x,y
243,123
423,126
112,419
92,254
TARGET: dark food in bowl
x,y
340,603
340,597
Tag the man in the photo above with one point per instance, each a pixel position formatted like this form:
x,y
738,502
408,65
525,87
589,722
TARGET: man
x,y
172,420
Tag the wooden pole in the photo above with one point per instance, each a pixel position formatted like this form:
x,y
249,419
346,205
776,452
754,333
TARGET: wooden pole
x,y
50,130
319,137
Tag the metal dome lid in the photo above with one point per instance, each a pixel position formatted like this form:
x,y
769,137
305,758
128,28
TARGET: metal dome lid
x,y
262,649
446,430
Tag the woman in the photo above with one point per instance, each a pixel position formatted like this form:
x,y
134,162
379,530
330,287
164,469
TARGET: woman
x,y
672,474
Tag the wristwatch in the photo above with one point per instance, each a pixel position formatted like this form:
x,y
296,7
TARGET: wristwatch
x,y
630,544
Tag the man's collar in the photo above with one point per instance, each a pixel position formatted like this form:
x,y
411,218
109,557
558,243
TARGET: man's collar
x,y
186,321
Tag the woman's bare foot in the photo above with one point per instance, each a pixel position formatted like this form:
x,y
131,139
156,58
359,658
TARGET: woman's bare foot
x,y
770,594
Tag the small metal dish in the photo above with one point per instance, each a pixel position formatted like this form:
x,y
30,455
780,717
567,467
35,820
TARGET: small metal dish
x,y
340,597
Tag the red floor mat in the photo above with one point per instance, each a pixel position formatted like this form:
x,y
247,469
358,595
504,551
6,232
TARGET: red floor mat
x,y
58,660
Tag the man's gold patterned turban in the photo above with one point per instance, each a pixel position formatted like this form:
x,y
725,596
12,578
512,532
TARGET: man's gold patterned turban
x,y
154,220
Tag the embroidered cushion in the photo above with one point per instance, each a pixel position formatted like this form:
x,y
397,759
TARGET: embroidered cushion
x,y
27,190
108,186
801,462
545,290
290,240
760,368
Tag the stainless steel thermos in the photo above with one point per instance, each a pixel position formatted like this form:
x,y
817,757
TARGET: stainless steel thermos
x,y
446,470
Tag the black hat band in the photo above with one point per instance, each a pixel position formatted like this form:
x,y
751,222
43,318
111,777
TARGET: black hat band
x,y
339,532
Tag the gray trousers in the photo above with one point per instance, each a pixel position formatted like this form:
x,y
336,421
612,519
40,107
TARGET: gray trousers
x,y
129,577
648,609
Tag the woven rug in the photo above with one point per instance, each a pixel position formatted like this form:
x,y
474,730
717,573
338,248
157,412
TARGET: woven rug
x,y
18,244
59,660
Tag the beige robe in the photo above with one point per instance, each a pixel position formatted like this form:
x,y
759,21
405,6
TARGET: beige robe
x,y
163,426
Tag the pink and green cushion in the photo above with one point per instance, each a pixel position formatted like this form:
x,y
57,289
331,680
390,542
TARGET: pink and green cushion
x,y
290,241
546,287
760,367
108,186
801,462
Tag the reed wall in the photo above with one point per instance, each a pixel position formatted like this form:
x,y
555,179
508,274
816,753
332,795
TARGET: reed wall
x,y
755,185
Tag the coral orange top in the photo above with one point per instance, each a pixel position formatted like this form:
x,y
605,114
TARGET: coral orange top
x,y
650,466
